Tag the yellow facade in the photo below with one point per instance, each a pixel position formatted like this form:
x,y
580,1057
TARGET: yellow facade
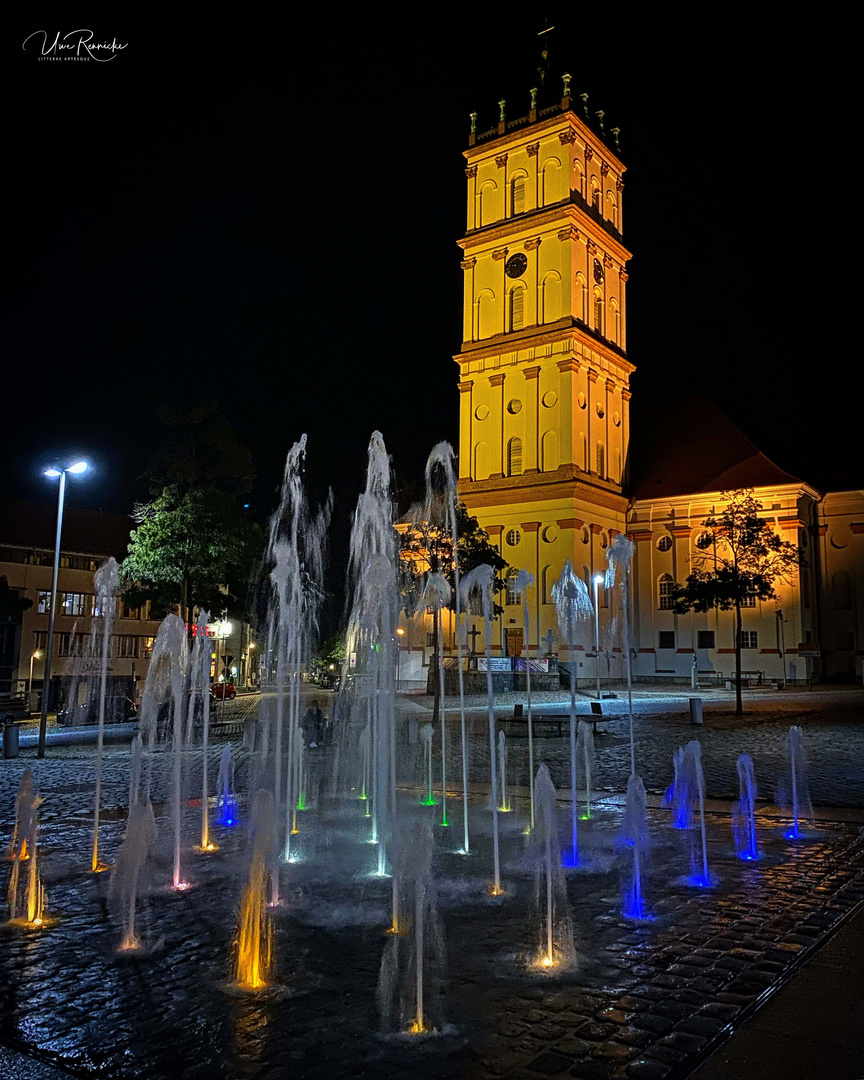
x,y
544,378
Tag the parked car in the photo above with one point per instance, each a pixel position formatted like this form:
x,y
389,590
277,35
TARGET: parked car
x,y
221,690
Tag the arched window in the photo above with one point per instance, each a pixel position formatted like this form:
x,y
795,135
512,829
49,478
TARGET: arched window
x,y
614,322
514,457
517,194
550,182
581,298
611,209
513,596
485,314
598,311
550,297
664,589
549,447
601,459
579,178
486,195
595,194
517,307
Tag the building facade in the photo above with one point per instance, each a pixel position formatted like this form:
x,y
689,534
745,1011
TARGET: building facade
x,y
545,456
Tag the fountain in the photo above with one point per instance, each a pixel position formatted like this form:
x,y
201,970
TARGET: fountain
x,y
504,806
427,732
480,581
371,633
691,796
436,595
411,978
199,691
27,910
296,552
128,869
105,583
523,583
18,843
553,914
744,810
585,760
226,798
573,604
793,792
441,461
674,796
634,836
255,959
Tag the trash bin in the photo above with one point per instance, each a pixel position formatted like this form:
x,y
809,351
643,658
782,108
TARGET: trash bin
x,y
10,739
696,710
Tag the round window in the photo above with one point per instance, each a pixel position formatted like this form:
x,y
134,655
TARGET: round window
x,y
580,397
514,406
550,534
513,537
586,534
604,540
550,398
664,543
601,412
481,412
840,537
616,419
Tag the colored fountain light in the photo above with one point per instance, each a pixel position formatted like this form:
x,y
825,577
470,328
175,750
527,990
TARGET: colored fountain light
x,y
552,909
255,958
793,791
744,811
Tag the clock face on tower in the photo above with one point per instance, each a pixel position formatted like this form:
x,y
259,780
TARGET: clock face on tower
x,y
598,271
516,265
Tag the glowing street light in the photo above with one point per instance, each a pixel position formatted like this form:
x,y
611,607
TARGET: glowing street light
x,y
75,469
36,655
598,581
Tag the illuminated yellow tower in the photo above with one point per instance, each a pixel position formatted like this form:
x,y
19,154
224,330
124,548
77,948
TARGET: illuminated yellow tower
x,y
543,370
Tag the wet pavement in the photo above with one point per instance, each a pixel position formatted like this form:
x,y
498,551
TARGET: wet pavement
x,y
644,999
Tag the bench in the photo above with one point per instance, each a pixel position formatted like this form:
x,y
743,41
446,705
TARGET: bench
x,y
227,729
543,720
597,716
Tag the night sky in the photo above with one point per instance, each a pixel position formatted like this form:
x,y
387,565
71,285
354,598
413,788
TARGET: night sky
x,y
267,215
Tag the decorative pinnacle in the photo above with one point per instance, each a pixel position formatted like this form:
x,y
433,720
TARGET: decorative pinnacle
x,y
502,105
566,79
473,123
600,114
534,93
615,133
584,99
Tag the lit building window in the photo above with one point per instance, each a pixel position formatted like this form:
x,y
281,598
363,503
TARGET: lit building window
x,y
664,592
512,592
513,537
517,191
749,639
664,543
517,308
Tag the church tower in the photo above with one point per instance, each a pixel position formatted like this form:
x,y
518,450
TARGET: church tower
x,y
543,370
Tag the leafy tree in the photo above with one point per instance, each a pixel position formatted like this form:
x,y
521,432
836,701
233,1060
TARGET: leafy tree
x,y
11,604
426,547
194,545
740,559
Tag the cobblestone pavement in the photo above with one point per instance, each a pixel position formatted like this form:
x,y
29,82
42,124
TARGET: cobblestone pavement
x,y
832,722
643,1000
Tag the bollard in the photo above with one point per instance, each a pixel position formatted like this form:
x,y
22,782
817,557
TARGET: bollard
x,y
696,711
10,740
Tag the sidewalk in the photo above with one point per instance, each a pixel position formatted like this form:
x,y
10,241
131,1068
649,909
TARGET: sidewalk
x,y
810,1029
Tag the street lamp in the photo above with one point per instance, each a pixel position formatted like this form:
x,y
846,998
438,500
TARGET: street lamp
x,y
598,581
75,469
37,655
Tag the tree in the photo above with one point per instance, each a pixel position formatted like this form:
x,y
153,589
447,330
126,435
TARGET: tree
x,y
195,545
740,559
426,547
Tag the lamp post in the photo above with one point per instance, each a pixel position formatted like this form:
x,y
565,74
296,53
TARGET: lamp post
x,y
598,581
37,655
53,473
